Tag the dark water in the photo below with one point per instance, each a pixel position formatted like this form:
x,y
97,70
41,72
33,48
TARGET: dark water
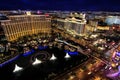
x,y
47,70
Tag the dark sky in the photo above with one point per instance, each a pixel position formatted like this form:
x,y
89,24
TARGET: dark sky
x,y
95,5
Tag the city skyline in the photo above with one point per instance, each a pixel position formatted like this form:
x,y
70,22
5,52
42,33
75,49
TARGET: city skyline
x,y
59,45
78,5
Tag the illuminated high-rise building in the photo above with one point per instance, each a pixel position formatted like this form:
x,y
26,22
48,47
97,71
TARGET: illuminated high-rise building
x,y
72,24
21,25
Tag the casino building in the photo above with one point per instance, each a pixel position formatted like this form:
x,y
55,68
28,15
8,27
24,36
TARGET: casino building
x,y
20,25
73,25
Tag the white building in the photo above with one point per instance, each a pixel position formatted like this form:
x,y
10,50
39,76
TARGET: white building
x,y
73,25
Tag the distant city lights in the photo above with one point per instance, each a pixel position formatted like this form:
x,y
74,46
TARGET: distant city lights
x,y
112,20
28,13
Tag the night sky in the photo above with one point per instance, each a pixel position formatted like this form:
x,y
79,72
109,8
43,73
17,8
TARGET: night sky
x,y
91,5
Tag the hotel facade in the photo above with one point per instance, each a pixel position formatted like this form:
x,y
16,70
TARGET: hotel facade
x,y
20,25
72,25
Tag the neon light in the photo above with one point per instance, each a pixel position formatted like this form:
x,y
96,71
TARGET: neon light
x,y
9,61
114,74
70,52
28,53
118,54
73,53
119,68
113,56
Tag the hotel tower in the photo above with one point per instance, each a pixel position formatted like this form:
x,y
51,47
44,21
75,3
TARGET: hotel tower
x,y
20,25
